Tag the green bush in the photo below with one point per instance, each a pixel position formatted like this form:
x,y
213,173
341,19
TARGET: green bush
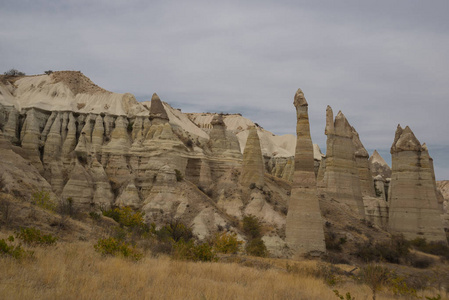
x,y
115,247
251,227
179,176
34,237
126,217
175,230
42,199
256,247
226,243
189,251
7,248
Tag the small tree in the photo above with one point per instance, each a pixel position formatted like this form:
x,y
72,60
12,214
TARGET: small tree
x,y
251,226
374,276
14,72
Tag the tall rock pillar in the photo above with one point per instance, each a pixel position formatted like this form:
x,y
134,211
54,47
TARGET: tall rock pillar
x,y
413,202
341,180
304,227
253,165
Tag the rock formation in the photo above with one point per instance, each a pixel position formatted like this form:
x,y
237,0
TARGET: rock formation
x,y
413,203
341,180
253,166
379,166
304,227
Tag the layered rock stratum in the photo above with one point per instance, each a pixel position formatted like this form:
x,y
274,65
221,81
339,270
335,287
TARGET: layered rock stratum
x,y
414,210
304,228
340,174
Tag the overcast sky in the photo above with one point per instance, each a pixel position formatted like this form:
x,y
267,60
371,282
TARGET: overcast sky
x,y
380,62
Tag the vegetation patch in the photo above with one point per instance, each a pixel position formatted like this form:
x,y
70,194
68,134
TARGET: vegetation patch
x,y
34,237
116,247
8,248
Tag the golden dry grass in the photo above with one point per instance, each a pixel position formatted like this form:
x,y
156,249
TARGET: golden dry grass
x,y
76,271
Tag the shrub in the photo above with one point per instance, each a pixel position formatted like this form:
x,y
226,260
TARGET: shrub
x,y
175,230
7,248
130,126
332,244
189,251
48,72
399,286
14,72
418,261
226,243
347,296
435,248
115,247
65,207
126,217
251,226
374,276
34,237
256,247
392,251
179,176
95,216
42,199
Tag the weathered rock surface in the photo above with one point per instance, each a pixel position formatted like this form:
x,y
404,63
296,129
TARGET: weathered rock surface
x,y
413,203
304,226
340,179
253,168
379,166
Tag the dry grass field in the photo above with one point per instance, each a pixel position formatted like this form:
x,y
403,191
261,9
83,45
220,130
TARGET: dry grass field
x,y
76,271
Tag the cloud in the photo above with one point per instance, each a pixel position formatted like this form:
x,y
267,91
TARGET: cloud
x,y
381,63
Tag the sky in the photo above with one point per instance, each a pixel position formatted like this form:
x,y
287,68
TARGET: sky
x,y
382,63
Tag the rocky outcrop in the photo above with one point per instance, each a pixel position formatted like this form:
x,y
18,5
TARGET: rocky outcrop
x,y
253,168
304,226
340,180
157,110
363,167
379,166
413,203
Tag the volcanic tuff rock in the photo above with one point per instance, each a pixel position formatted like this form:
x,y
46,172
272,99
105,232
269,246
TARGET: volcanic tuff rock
x,y
304,227
103,149
379,166
413,203
253,166
376,208
340,175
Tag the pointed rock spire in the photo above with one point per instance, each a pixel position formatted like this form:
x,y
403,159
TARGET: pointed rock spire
x,y
157,110
379,166
304,226
253,165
